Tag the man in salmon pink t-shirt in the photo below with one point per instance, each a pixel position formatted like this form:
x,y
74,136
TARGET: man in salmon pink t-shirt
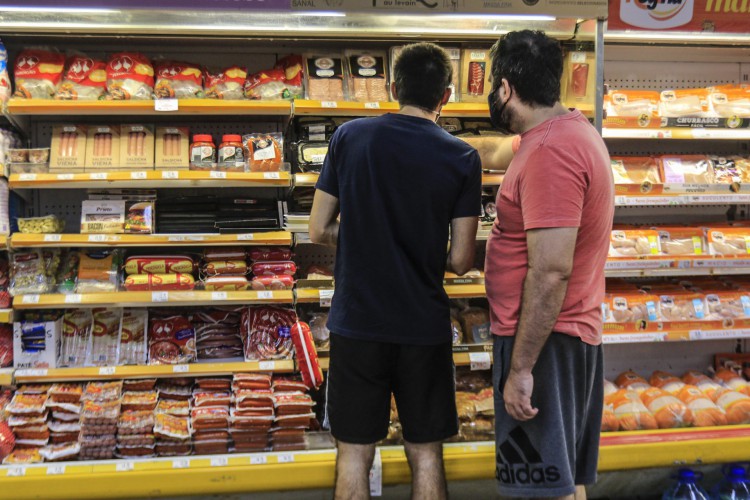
x,y
545,277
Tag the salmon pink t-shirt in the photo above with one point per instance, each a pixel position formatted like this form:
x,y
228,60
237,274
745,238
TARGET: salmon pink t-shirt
x,y
560,177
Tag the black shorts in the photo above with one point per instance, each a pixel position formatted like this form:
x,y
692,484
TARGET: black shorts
x,y
363,374
558,449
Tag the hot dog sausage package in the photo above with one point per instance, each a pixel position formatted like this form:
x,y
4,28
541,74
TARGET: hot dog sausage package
x,y
475,75
306,355
68,149
171,340
226,84
85,79
137,146
76,336
266,332
103,147
130,75
134,337
178,80
172,148
579,80
367,76
37,73
635,169
325,77
105,338
265,152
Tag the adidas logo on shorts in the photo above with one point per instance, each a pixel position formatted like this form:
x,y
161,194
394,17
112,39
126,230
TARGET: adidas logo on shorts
x,y
518,462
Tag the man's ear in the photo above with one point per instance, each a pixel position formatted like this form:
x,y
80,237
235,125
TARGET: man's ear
x,y
393,91
446,96
506,86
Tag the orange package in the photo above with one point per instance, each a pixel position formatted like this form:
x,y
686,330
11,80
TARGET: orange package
x,y
666,381
723,305
730,101
728,241
732,380
682,306
683,102
631,413
265,152
37,73
668,411
736,405
631,380
705,411
702,382
609,419
684,241
609,388
631,307
632,103
634,243
635,169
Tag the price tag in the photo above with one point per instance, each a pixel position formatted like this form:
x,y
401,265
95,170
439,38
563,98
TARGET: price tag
x,y
245,237
124,466
27,177
32,373
480,360
372,105
214,174
265,295
73,298
98,176
30,299
138,175
258,460
376,475
16,471
329,104
219,461
159,296
326,296
266,366
97,238
166,105
65,177
286,458
181,463
170,174
180,368
218,295
107,370
271,175
55,470
578,57
176,238
52,237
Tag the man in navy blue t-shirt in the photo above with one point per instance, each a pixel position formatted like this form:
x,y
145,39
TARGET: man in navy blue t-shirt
x,y
398,182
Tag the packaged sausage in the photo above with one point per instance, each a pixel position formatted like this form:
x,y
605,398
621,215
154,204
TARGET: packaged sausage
x,y
265,151
684,102
274,282
255,399
635,169
274,268
630,411
105,338
634,243
325,77
146,384
175,408
632,381
178,80
668,411
68,148
666,381
37,73
685,241
54,453
643,104
367,76
102,391
224,253
219,267
172,427
226,283
266,331
211,398
159,264
23,456
283,81
27,404
139,401
251,381
171,340
137,151
705,411
257,254
76,335
85,79
687,169
172,148
306,355
130,75
154,282
475,75
728,241
227,84
133,340
214,384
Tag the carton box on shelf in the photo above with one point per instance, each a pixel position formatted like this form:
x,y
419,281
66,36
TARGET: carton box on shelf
x,y
68,149
475,75
103,216
137,146
172,148
36,344
103,148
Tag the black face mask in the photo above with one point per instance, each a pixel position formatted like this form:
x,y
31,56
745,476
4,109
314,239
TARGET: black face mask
x,y
496,114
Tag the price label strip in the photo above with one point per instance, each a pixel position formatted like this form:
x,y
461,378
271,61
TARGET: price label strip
x,y
326,297
480,360
56,470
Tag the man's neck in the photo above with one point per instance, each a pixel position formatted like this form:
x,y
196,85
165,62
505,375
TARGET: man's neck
x,y
419,112
529,118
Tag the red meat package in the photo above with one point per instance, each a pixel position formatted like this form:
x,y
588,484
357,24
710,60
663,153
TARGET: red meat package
x,y
130,75
171,340
6,346
275,282
306,355
274,268
178,80
265,254
85,79
266,331
37,73
226,84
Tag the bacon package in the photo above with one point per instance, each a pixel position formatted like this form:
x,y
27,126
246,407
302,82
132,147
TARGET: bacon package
x,y
178,80
635,169
130,76
265,151
38,73
85,79
266,331
227,84
171,340
283,81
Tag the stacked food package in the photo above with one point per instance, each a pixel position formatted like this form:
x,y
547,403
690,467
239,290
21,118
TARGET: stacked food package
x,y
209,416
293,414
724,101
252,412
64,406
172,418
99,418
225,269
135,427
217,333
159,273
681,169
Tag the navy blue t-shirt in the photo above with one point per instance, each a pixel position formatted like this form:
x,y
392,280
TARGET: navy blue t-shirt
x,y
400,180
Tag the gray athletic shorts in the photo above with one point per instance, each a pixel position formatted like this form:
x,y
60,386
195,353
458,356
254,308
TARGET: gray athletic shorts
x,y
558,449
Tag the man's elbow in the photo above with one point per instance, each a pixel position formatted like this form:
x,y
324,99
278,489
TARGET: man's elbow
x,y
461,269
317,235
462,265
552,274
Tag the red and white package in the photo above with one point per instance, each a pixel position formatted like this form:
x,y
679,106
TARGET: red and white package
x,y
53,453
274,268
130,76
7,440
273,282
6,346
38,73
284,81
178,80
306,355
226,84
85,79
171,340
266,331
254,399
265,254
251,381
211,399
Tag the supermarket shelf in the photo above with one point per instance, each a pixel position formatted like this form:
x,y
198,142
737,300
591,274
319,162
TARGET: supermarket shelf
x,y
676,335
310,295
678,133
676,266
219,474
671,200
6,316
123,108
346,108
477,356
4,241
151,299
150,371
150,179
309,179
6,376
20,240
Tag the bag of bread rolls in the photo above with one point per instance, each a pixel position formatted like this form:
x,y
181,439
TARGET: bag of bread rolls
x,y
705,411
734,404
631,380
631,413
668,411
609,419
732,380
666,381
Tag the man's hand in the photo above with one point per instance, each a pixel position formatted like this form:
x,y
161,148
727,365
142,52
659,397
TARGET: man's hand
x,y
517,395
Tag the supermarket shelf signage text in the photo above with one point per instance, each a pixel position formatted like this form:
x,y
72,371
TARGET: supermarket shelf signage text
x,y
709,16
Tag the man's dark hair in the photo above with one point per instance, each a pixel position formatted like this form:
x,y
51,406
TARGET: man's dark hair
x,y
422,73
532,63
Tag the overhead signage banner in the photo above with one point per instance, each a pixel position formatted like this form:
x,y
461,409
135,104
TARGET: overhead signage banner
x,y
711,16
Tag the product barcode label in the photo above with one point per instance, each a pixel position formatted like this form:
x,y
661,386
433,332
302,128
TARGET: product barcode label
x,y
97,238
215,174
52,237
30,299
245,237
271,175
166,105
326,296
27,177
328,104
286,458
258,460
219,461
181,463
32,373
73,298
218,295
107,370
265,295
372,105
267,366
159,296
55,470
16,471
180,368
138,175
480,360
98,176
64,177
170,174
124,466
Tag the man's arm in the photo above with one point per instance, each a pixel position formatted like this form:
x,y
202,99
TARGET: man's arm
x,y
551,253
495,152
463,244
324,224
